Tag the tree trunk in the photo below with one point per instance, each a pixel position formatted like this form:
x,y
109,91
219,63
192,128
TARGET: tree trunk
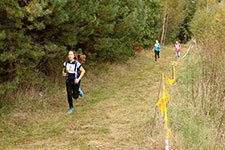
x,y
163,32
164,40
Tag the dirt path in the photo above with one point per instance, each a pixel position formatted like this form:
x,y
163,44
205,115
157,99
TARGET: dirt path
x,y
115,113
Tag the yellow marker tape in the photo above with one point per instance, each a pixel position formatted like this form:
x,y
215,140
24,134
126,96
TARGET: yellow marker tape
x,y
174,70
168,136
162,103
173,63
170,81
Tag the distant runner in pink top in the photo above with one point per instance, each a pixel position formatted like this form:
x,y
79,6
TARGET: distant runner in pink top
x,y
177,46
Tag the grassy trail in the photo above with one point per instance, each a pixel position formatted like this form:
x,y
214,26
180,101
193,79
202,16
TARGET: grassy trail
x,y
115,113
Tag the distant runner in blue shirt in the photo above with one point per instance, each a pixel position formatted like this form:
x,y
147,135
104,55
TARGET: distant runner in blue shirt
x,y
157,49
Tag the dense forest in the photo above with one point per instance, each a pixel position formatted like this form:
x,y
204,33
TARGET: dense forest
x,y
36,34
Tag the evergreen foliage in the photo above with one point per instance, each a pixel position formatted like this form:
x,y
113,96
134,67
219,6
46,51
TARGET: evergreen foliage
x,y
153,23
35,35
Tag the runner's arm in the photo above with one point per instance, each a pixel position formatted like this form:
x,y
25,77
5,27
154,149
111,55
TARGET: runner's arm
x,y
82,73
63,72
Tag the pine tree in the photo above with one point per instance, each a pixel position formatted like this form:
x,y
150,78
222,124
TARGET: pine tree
x,y
36,34
153,22
120,23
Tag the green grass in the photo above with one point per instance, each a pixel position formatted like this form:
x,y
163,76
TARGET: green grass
x,y
115,113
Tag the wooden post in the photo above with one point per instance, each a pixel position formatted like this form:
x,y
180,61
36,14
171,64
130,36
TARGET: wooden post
x,y
172,72
153,121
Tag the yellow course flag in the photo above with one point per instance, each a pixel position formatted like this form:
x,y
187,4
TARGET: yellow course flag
x,y
174,70
170,81
173,63
162,103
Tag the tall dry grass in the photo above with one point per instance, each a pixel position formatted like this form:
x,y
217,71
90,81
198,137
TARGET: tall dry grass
x,y
204,78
